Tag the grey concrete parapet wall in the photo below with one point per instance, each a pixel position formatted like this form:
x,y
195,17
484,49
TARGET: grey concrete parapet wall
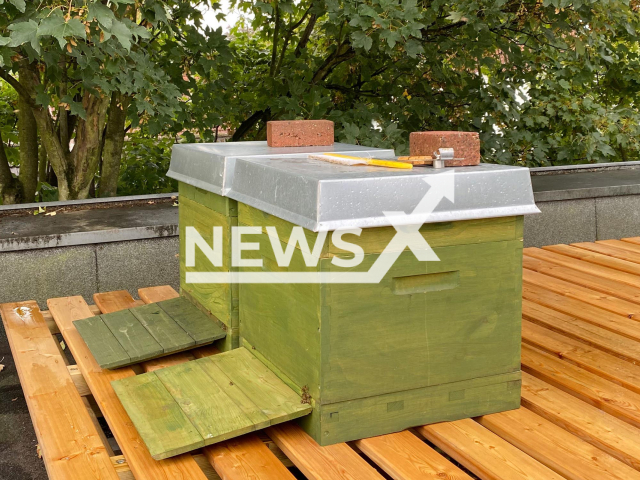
x,y
131,242
584,203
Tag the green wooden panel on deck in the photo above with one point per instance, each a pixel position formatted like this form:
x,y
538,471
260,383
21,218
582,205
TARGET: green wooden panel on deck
x,y
162,424
199,327
148,331
219,397
103,344
164,329
132,335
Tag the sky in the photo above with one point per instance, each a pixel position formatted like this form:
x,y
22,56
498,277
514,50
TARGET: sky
x,y
230,20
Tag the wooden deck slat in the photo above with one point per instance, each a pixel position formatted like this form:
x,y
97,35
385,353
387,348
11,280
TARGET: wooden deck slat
x,y
70,444
65,311
112,301
606,302
607,396
585,332
484,453
588,280
556,448
635,240
590,359
242,458
593,257
403,456
617,438
334,462
630,246
593,269
570,306
612,251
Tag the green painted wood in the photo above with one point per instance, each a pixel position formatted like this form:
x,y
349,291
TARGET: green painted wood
x,y
196,323
218,203
161,423
186,406
215,298
163,328
270,394
214,413
103,345
374,240
382,414
132,335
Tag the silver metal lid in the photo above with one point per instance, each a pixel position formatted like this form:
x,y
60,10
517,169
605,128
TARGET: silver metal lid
x,y
326,196
210,166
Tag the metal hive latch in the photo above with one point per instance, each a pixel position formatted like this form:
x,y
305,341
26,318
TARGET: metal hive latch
x,y
441,156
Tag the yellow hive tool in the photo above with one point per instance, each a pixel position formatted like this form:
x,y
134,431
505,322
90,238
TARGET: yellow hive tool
x,y
350,160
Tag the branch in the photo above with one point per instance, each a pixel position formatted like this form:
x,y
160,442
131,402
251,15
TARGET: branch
x,y
304,38
17,86
249,123
274,48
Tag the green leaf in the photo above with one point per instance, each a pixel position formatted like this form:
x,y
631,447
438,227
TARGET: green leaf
x,y
4,41
413,48
362,40
121,32
24,32
101,13
56,26
19,4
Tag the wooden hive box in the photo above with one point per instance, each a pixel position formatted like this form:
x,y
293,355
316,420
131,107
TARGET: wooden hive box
x,y
205,210
433,341
209,166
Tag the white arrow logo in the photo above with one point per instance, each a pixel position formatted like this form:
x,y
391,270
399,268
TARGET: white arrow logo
x,y
407,236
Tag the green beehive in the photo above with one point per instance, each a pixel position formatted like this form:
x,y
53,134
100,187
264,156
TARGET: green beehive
x,y
429,341
205,173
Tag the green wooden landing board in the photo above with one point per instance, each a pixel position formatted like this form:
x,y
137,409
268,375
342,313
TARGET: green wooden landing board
x,y
149,331
198,403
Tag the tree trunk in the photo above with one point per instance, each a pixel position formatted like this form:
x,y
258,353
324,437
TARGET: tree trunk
x,y
8,190
28,138
113,144
43,163
87,149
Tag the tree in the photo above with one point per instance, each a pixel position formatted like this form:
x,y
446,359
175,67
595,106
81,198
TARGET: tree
x,y
543,81
85,67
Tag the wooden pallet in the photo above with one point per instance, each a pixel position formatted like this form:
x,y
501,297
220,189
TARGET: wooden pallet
x,y
579,419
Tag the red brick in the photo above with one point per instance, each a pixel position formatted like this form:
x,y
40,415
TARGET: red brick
x,y
299,133
466,146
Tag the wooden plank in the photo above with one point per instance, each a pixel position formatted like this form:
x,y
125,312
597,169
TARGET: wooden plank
x,y
246,458
114,301
604,249
583,266
630,246
405,457
587,295
143,466
556,448
159,419
588,280
157,294
617,438
134,338
164,329
484,453
68,440
634,240
275,399
607,396
590,359
196,323
573,327
218,412
334,462
103,344
78,380
589,313
593,257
